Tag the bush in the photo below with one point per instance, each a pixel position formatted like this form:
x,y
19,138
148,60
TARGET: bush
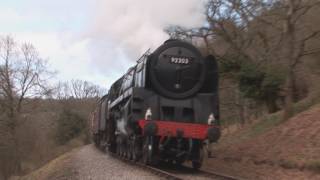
x,y
70,125
250,81
262,84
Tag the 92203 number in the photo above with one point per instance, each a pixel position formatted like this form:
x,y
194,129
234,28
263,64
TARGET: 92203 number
x,y
179,60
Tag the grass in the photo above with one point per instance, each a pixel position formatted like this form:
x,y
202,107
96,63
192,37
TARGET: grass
x,y
265,123
313,166
288,164
305,104
269,121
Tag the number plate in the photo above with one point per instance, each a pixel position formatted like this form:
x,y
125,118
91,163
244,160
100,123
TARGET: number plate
x,y
180,60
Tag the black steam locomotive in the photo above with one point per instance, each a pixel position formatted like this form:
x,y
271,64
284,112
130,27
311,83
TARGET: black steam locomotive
x,y
163,108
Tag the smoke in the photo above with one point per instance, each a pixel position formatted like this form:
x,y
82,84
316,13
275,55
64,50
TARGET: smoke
x,y
97,45
121,126
133,26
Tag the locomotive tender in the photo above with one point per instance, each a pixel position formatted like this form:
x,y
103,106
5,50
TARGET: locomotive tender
x,y
164,108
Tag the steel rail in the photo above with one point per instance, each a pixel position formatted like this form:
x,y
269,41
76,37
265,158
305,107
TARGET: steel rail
x,y
153,170
169,175
217,175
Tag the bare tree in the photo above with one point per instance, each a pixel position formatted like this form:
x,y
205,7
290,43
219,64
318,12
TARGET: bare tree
x,y
294,45
62,90
268,33
23,74
83,89
78,89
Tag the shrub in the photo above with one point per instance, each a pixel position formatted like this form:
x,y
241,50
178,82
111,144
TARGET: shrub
x,y
70,125
261,84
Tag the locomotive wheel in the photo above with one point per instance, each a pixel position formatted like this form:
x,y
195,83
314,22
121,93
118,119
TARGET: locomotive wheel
x,y
179,162
107,149
111,148
122,150
196,164
125,150
147,150
135,149
130,149
148,156
97,140
118,146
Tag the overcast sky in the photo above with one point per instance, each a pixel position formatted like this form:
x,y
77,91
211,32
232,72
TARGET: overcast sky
x,y
95,40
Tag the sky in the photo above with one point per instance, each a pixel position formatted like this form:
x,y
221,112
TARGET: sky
x,y
95,40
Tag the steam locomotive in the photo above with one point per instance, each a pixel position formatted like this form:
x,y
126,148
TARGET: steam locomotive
x,y
164,108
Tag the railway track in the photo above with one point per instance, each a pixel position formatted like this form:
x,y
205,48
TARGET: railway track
x,y
215,175
187,172
177,174
153,170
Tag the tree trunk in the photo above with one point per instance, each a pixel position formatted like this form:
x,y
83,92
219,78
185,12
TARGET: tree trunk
x,y
16,149
288,101
289,51
241,106
272,105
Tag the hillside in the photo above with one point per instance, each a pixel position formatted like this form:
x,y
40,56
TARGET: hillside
x,y
44,133
288,150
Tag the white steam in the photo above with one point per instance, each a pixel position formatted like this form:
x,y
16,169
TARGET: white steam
x,y
121,126
136,25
